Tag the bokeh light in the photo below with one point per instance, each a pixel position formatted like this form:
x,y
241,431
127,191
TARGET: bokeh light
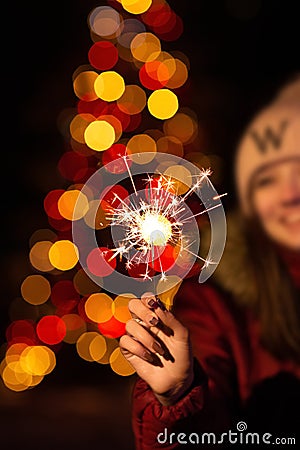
x,y
64,296
100,261
99,135
112,196
83,85
35,289
103,55
182,126
83,345
141,143
37,360
170,144
112,328
98,307
51,329
73,166
115,154
181,178
75,327
111,345
96,216
109,86
21,331
79,124
136,6
50,203
83,284
104,21
97,347
163,104
67,202
120,307
63,254
145,47
119,363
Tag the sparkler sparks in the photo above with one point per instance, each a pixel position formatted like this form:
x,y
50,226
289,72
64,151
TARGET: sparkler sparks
x,y
151,238
152,220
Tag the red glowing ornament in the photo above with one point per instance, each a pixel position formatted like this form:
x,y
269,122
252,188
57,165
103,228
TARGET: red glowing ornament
x,y
101,262
64,296
95,107
135,121
113,197
21,331
164,259
140,270
154,75
51,329
73,166
112,329
111,159
103,55
50,204
122,116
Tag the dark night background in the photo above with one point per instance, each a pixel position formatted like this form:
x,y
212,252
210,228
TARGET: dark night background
x,y
240,53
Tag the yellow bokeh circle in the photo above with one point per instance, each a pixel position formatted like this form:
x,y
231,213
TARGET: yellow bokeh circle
x,y
120,307
38,360
109,86
98,307
181,178
163,104
67,202
142,148
136,6
99,135
119,363
63,254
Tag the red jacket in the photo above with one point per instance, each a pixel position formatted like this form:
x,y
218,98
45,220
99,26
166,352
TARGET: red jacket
x,y
237,380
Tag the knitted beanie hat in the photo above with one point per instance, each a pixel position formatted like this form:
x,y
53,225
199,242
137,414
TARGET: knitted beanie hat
x,y
272,136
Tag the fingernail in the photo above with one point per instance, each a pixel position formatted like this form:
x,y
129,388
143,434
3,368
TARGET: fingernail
x,y
152,303
148,357
153,320
147,295
158,348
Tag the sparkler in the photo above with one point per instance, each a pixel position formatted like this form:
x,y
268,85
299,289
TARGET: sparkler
x,y
154,237
150,222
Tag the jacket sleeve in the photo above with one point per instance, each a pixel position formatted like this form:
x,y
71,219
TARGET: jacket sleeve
x,y
211,402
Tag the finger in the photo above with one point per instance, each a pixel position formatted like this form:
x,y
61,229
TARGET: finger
x,y
180,332
142,335
130,348
167,319
148,297
142,312
152,301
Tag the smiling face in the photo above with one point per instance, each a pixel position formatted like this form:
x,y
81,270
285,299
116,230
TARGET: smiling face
x,y
276,201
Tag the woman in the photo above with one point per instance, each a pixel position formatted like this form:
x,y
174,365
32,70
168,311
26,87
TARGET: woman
x,y
227,358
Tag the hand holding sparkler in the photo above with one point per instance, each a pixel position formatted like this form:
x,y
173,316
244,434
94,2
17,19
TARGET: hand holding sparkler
x,y
158,347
